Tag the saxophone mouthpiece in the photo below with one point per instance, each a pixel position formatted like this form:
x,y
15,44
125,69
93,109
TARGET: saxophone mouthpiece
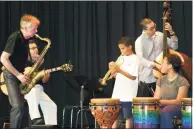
x,y
37,36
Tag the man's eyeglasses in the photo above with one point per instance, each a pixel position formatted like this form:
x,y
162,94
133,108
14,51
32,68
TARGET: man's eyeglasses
x,y
152,28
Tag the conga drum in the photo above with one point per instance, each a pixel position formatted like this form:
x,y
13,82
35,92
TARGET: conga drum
x,y
146,113
105,111
186,110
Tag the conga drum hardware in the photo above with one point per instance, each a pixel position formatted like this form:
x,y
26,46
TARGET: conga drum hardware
x,y
146,112
142,104
186,110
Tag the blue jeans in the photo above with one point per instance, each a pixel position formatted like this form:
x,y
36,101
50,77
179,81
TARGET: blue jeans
x,y
166,115
126,110
16,100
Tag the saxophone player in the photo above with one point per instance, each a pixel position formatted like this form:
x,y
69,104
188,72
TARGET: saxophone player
x,y
126,80
37,97
14,58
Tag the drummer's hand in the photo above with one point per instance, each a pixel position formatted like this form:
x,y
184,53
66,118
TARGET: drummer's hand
x,y
161,102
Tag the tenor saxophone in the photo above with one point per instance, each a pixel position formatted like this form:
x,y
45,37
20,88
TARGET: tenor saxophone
x,y
33,74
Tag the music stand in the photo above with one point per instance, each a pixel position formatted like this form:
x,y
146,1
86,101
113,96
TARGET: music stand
x,y
88,84
85,86
81,80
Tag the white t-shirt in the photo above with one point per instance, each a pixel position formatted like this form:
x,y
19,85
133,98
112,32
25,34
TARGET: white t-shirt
x,y
125,89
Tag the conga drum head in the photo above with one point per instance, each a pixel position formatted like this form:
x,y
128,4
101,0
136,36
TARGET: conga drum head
x,y
105,101
146,112
105,111
186,110
145,100
186,101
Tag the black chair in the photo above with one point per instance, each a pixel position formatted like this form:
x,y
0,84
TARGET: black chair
x,y
4,123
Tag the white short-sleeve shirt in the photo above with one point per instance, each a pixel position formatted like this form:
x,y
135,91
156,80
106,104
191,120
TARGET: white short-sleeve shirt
x,y
126,89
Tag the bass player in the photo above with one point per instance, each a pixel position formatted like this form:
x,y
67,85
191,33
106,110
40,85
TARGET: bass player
x,y
147,47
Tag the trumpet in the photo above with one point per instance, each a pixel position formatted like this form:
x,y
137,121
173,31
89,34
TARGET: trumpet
x,y
108,75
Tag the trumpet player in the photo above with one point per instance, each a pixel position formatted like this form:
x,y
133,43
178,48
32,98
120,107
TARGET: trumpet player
x,y
126,80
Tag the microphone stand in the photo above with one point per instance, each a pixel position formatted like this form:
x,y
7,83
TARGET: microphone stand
x,y
81,104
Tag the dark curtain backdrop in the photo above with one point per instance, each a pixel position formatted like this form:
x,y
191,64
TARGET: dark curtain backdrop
x,y
87,33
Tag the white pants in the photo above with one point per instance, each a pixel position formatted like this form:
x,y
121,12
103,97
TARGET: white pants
x,y
49,109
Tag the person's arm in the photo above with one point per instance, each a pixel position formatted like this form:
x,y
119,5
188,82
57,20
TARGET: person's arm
x,y
139,52
182,93
131,76
126,74
157,92
173,40
46,78
8,65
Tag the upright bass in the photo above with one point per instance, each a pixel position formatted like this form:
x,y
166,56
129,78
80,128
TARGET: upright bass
x,y
186,61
